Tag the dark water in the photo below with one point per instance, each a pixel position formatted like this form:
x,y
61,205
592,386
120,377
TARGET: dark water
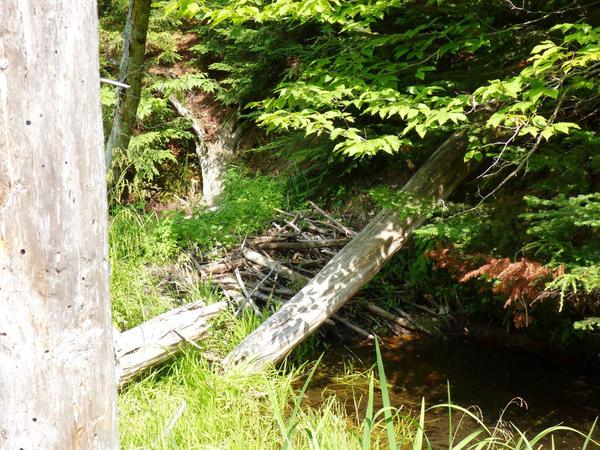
x,y
488,376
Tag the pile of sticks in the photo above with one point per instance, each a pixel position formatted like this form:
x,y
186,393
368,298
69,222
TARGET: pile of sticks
x,y
272,268
263,272
276,265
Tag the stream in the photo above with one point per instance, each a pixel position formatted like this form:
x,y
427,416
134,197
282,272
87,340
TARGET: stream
x,y
482,374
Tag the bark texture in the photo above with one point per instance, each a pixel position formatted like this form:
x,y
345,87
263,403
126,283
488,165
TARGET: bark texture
x,y
214,154
353,266
131,72
57,366
158,339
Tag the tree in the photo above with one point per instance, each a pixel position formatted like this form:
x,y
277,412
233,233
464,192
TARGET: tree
x,y
57,381
131,73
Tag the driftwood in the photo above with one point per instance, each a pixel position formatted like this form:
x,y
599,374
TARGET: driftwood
x,y
354,327
340,226
210,269
400,321
354,265
155,341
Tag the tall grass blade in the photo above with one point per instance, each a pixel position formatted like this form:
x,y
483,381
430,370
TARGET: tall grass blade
x,y
523,441
588,438
450,438
278,415
466,441
418,442
292,420
385,397
368,422
466,412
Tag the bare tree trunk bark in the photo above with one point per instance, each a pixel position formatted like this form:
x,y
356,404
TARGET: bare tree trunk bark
x,y
218,153
131,72
157,339
353,266
214,155
57,364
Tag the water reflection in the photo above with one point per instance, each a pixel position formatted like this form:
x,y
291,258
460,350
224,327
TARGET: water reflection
x,y
482,374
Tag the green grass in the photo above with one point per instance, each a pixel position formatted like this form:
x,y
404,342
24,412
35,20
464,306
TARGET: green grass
x,y
226,410
246,207
137,243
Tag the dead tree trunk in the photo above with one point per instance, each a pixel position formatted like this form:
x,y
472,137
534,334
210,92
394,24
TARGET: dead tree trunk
x,y
214,154
57,367
131,72
353,266
156,340
217,156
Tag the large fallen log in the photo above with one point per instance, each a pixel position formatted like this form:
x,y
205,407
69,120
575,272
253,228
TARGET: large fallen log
x,y
156,340
354,265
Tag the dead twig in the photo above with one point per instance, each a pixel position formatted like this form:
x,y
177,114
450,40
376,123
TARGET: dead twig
x,y
341,226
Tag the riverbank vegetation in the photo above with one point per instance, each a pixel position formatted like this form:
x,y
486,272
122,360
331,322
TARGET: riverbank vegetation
x,y
339,103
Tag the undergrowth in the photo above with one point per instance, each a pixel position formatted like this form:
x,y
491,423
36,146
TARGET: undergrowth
x,y
247,206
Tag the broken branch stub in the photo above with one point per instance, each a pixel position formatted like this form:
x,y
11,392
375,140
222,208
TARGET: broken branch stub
x,y
354,265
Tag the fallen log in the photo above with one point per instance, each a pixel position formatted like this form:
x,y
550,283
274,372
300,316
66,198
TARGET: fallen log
x,y
354,265
299,245
157,339
269,263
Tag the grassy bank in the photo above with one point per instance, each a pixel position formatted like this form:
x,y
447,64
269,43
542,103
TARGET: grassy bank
x,y
191,403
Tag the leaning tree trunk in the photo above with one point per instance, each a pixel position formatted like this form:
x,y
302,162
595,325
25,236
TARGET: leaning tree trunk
x,y
354,265
130,72
57,365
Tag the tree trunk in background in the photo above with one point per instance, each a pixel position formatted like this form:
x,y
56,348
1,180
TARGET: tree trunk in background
x,y
354,265
57,364
130,72
216,156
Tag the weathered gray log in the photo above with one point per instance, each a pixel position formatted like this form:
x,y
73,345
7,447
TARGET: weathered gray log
x,y
299,245
57,371
156,340
279,268
354,265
